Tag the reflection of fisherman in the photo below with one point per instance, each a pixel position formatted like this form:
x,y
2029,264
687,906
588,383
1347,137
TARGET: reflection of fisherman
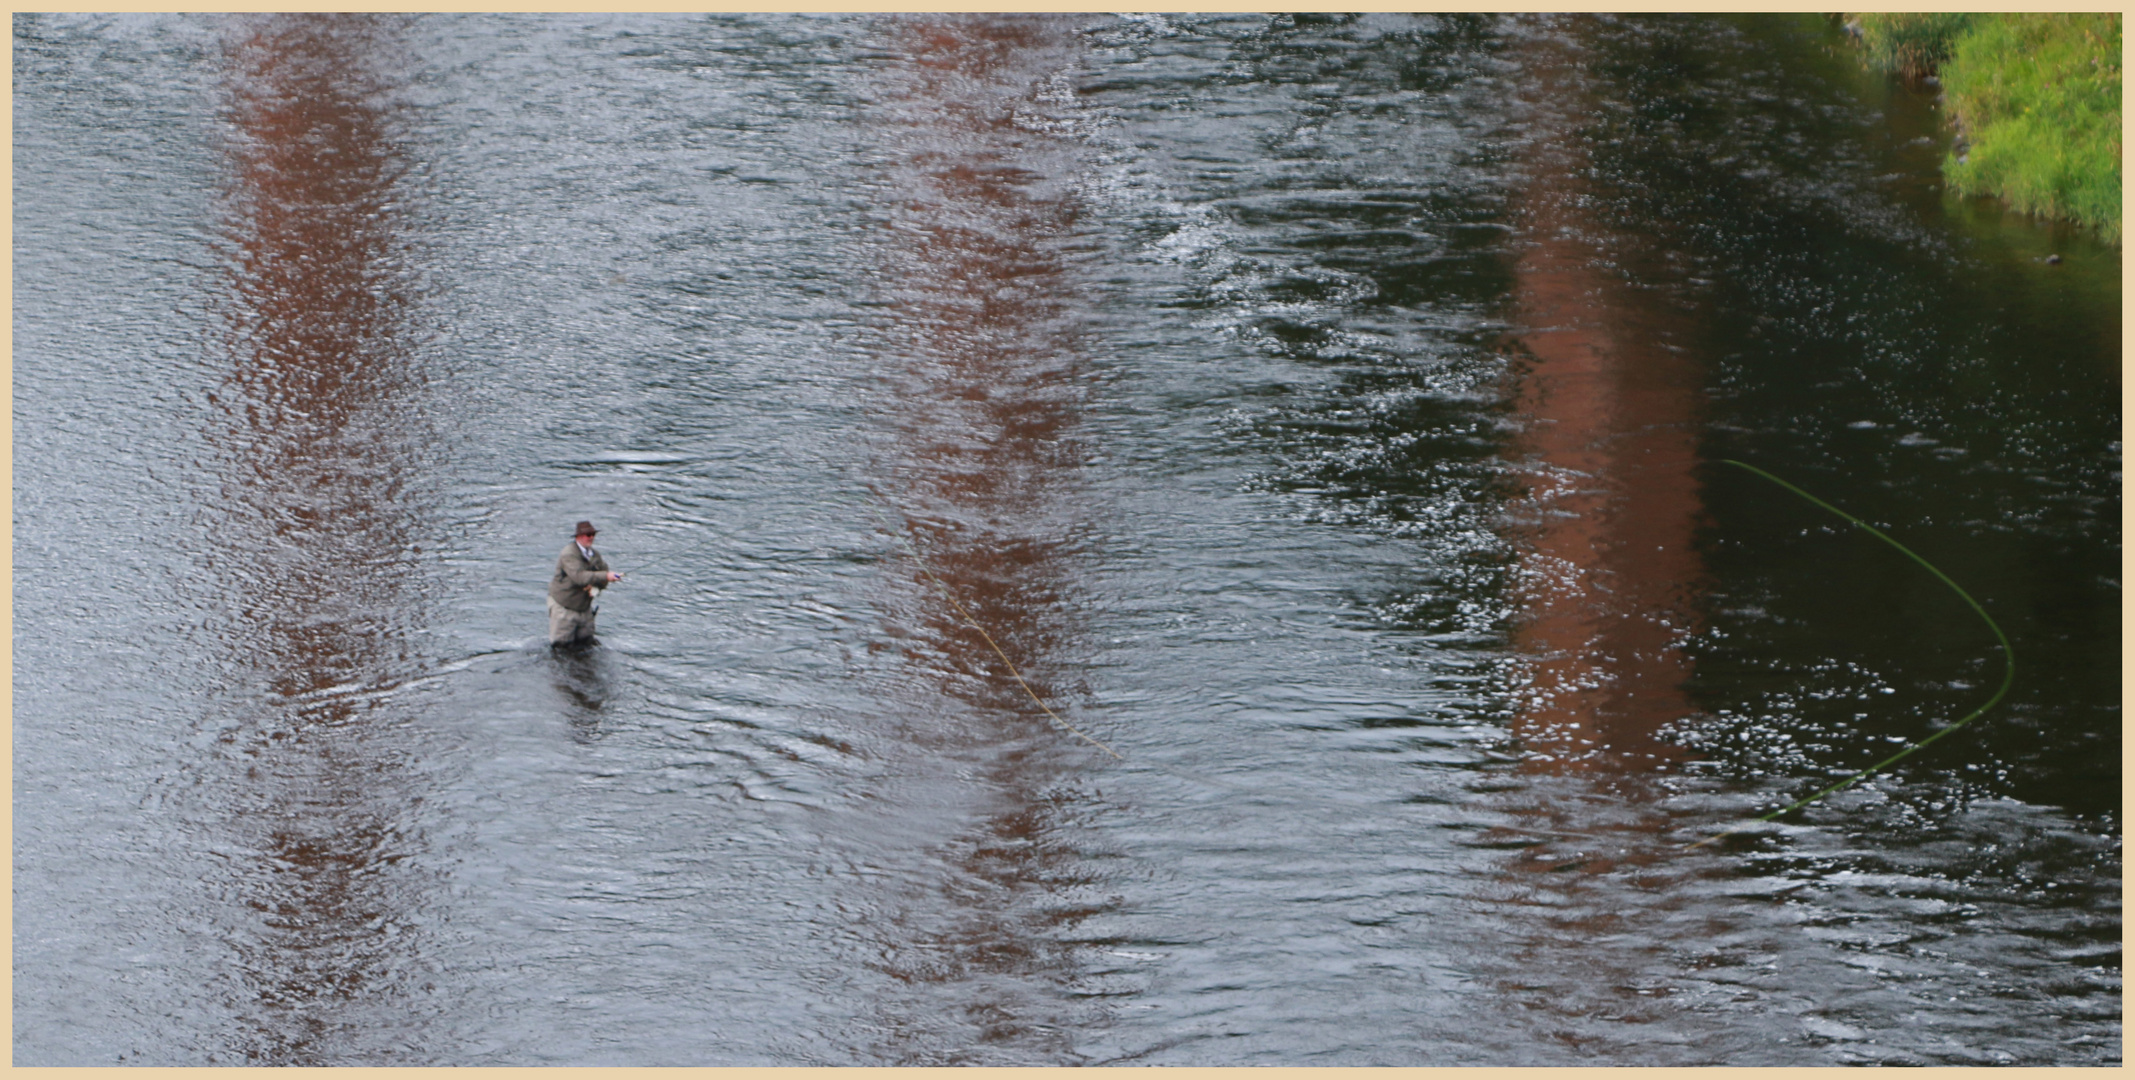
x,y
580,576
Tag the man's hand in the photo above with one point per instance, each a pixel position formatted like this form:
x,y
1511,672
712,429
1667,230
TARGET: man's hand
x,y
613,576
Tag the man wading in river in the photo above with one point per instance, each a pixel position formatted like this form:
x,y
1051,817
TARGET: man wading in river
x,y
580,576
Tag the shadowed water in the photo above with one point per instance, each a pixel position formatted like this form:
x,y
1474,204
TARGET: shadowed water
x,y
1150,540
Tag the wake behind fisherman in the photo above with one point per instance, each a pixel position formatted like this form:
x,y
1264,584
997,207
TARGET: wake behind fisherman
x,y
574,592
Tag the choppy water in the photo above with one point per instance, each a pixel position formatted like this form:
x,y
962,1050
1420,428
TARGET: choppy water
x,y
1320,416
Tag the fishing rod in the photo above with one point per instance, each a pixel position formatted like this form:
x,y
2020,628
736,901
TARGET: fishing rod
x,y
657,559
2008,660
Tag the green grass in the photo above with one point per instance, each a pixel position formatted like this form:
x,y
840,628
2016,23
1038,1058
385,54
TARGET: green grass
x,y
2038,100
1910,43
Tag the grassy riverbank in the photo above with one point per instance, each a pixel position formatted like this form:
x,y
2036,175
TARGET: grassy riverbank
x,y
2036,98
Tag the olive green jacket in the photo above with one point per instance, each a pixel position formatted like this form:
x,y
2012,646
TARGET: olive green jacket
x,y
574,572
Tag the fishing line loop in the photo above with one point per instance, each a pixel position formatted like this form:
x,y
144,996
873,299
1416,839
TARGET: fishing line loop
x,y
2008,659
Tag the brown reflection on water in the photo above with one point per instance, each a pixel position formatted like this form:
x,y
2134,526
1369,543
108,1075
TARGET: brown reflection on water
x,y
981,392
314,538
1607,582
1608,396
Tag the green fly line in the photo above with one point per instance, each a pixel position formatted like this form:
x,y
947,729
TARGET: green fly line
x,y
2008,658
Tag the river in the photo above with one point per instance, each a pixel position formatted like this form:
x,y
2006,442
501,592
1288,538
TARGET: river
x,y
1195,540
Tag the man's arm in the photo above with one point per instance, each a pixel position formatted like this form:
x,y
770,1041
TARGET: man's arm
x,y
586,574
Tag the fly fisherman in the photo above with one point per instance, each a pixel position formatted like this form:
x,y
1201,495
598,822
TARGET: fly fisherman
x,y
580,576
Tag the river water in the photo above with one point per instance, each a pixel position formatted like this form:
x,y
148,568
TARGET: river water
x,y
1160,540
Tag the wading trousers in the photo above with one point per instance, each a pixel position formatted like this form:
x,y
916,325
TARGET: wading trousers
x,y
567,627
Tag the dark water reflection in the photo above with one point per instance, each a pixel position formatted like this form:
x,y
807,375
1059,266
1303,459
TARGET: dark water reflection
x,y
1323,412
582,685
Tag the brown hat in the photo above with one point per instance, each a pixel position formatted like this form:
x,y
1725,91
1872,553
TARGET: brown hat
x,y
585,528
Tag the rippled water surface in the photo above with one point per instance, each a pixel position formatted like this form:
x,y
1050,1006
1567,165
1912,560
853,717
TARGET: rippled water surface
x,y
1149,540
